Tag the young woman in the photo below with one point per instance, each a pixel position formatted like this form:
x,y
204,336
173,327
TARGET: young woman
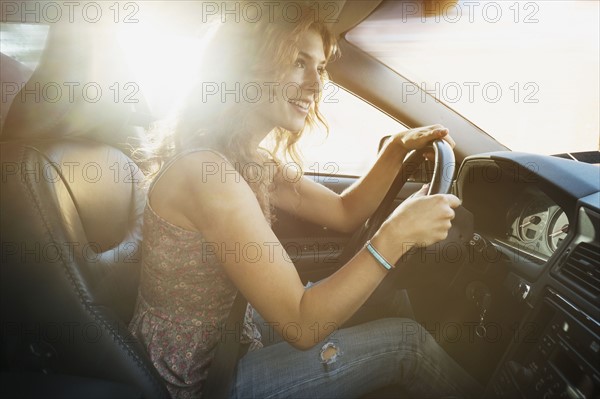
x,y
207,234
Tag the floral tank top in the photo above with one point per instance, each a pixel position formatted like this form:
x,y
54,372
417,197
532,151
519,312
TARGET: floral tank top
x,y
184,297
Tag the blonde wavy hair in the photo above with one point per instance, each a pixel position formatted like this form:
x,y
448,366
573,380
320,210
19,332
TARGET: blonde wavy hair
x,y
240,54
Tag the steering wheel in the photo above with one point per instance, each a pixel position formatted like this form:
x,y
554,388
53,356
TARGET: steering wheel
x,y
441,183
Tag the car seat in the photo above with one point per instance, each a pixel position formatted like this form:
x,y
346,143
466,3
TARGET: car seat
x,y
71,212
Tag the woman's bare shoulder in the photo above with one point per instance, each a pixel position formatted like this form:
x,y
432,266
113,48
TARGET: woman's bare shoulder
x,y
203,185
193,185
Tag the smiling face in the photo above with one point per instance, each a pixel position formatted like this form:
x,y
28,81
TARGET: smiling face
x,y
296,93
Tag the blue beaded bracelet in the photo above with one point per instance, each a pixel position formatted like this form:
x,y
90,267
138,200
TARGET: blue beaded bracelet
x,y
378,256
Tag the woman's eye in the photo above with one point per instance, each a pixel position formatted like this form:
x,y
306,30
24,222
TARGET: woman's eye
x,y
302,64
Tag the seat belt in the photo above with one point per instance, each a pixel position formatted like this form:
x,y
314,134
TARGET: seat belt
x,y
220,374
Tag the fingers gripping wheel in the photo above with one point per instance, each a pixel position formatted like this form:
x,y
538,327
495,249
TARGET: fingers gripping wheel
x,y
441,183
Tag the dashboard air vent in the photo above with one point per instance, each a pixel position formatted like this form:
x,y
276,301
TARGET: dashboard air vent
x,y
583,267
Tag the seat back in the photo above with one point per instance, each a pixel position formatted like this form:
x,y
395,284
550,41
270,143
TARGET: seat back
x,y
71,208
71,212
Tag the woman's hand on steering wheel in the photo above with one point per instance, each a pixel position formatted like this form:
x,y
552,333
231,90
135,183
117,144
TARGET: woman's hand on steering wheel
x,y
421,192
415,139
424,219
418,140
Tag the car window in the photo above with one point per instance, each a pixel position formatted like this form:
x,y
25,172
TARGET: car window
x,y
526,72
355,128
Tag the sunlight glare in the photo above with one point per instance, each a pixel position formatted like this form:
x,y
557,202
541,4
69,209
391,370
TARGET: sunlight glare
x,y
164,64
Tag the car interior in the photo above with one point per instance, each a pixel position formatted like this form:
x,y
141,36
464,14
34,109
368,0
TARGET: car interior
x,y
513,297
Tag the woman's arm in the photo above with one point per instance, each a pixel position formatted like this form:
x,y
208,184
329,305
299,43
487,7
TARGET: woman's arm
x,y
346,211
225,210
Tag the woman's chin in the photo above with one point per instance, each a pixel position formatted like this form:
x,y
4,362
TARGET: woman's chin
x,y
294,127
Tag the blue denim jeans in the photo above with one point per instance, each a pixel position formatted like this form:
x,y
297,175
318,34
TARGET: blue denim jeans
x,y
352,362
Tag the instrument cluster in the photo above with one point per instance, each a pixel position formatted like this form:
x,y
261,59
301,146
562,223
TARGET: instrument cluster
x,y
535,224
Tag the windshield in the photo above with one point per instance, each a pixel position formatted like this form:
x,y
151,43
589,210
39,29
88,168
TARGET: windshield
x,y
525,72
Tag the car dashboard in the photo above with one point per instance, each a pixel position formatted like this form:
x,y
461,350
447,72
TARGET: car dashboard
x,y
542,215
535,225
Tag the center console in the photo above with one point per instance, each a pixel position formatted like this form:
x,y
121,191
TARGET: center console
x,y
558,355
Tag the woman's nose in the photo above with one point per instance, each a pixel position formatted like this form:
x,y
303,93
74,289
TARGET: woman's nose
x,y
312,80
